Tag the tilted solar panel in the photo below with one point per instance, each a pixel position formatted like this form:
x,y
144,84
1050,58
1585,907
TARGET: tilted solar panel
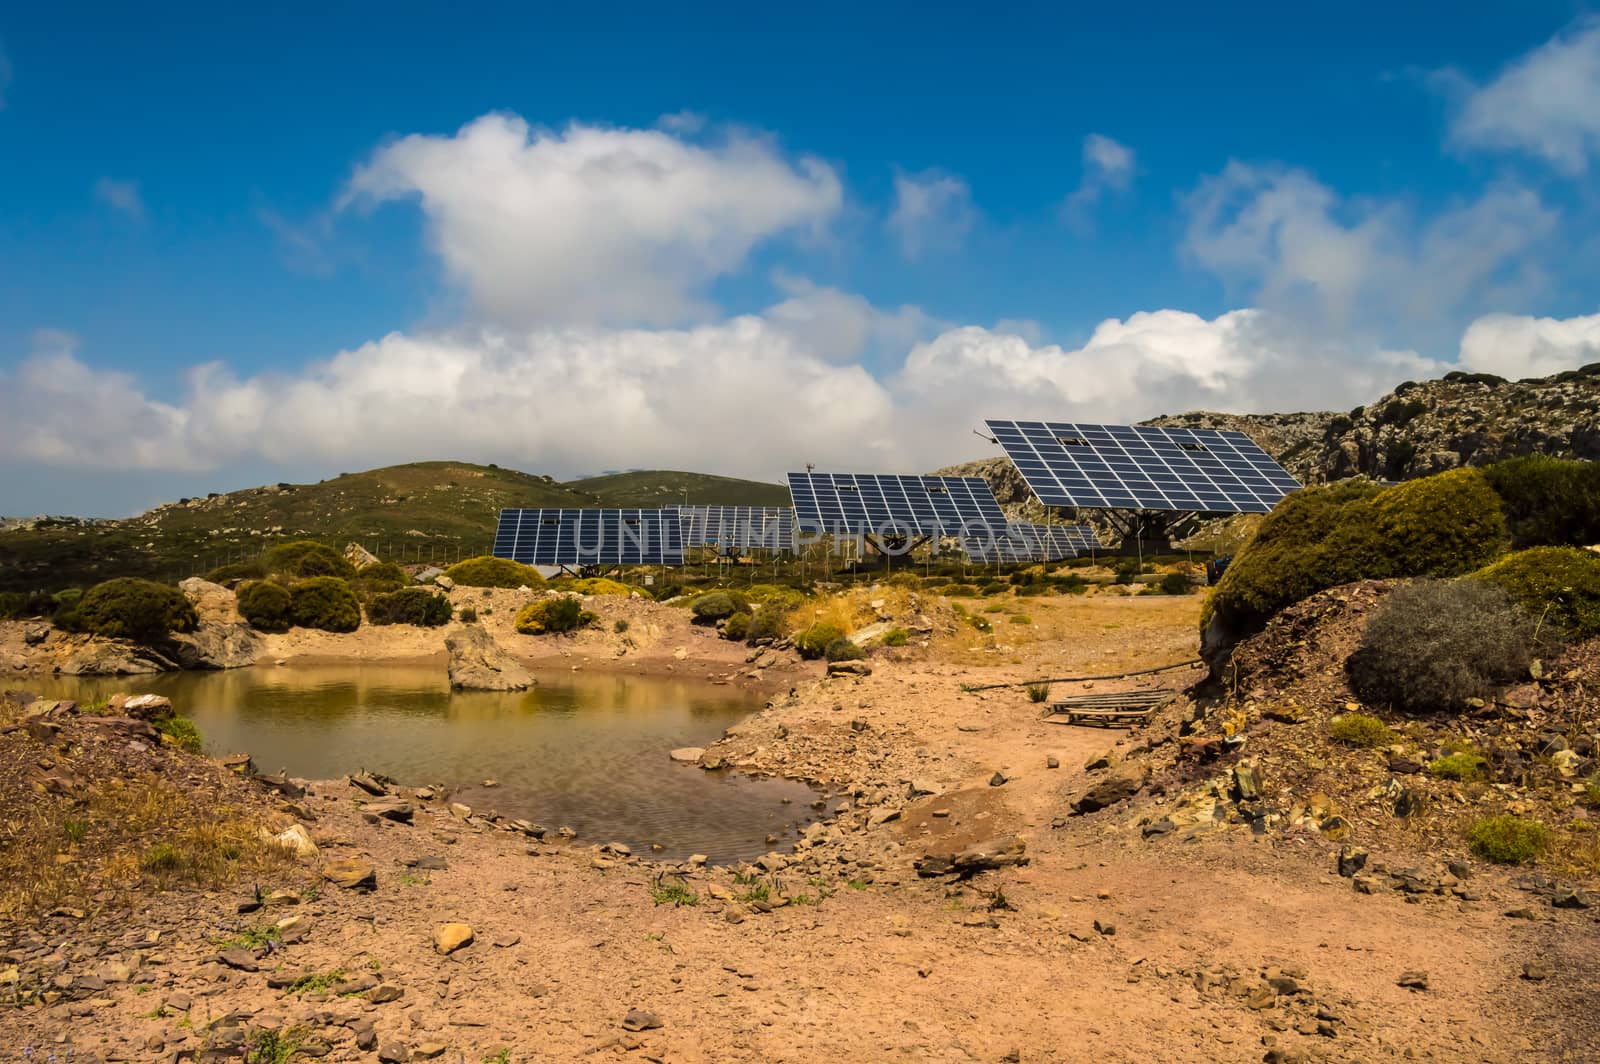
x,y
1140,467
590,537
739,528
1025,542
889,505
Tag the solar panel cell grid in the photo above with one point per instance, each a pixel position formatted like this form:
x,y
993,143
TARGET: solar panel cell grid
x,y
1141,467
880,505
590,537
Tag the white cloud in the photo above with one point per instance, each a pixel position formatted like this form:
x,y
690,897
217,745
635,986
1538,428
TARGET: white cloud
x,y
754,395
932,212
1543,103
1108,166
120,196
1518,346
594,225
1296,248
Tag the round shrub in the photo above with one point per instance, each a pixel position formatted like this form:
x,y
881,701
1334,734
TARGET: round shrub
x,y
1508,839
737,627
1175,584
718,606
1434,644
181,732
235,572
1549,502
896,637
593,585
1558,585
128,608
1360,729
267,606
814,641
468,615
325,603
843,650
381,576
1461,766
1322,537
411,605
487,571
306,558
552,616
765,624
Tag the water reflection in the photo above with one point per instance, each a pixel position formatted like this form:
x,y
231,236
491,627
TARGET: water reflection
x,y
588,750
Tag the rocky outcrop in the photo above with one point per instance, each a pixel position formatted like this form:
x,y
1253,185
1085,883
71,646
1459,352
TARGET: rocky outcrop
x,y
359,556
94,656
222,640
478,664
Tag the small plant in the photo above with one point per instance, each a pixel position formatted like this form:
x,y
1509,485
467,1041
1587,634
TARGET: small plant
x,y
674,892
1021,618
620,625
1508,839
813,642
737,627
896,637
273,1047
253,936
304,558
765,624
181,732
979,622
467,615
1591,791
1175,584
75,829
843,650
857,884
718,606
1359,729
553,616
754,892
1460,766
412,605
162,857
501,1057
1038,692
317,983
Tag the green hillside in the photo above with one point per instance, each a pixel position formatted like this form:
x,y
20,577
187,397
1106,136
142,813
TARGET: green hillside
x,y
671,488
425,511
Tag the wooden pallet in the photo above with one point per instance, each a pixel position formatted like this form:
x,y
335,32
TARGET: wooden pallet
x,y
1112,709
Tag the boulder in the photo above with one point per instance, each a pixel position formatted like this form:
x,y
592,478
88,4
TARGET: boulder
x,y
478,664
213,603
1107,792
447,938
849,668
688,754
145,707
94,656
351,873
1002,852
217,646
359,556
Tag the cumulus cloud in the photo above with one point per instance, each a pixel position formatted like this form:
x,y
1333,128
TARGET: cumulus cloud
x,y
932,212
1517,346
1107,167
755,395
1296,247
122,196
1543,103
593,225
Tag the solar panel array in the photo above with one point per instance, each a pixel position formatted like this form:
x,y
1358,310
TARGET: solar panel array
x,y
738,528
1140,467
590,537
887,505
1024,542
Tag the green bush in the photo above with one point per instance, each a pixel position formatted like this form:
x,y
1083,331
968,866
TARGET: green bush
x,y
776,596
1460,766
995,587
17,605
1175,584
813,642
1549,502
1557,585
842,649
718,606
467,615
737,627
267,606
765,623
594,585
380,577
411,605
553,616
1359,729
1431,645
238,571
1508,839
305,558
181,732
1322,537
325,603
487,571
896,637
128,608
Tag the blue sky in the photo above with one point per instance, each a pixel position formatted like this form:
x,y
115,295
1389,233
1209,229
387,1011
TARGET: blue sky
x,y
237,247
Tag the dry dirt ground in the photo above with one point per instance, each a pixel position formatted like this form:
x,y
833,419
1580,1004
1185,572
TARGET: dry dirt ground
x,y
1103,946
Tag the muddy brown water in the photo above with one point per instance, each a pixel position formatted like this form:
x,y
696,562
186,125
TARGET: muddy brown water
x,y
589,751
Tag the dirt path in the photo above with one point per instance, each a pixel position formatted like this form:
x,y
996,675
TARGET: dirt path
x,y
1104,947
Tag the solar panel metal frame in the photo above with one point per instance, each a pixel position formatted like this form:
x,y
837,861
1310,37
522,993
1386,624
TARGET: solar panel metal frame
x,y
884,504
739,528
569,537
1143,467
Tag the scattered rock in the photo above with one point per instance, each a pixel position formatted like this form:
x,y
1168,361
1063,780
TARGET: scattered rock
x,y
384,993
1052,761
239,959
1246,781
394,1053
999,779
993,853
1352,859
1107,792
688,754
1535,972
447,938
637,1020
1570,898
372,783
849,668
351,873
1414,980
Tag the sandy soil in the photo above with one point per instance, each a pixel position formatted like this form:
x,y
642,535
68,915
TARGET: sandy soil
x,y
1103,947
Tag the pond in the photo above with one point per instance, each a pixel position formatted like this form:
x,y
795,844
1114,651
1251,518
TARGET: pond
x,y
585,750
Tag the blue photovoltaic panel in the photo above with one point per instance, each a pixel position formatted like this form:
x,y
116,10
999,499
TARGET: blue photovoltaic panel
x,y
1138,467
733,529
590,537
883,504
1026,542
